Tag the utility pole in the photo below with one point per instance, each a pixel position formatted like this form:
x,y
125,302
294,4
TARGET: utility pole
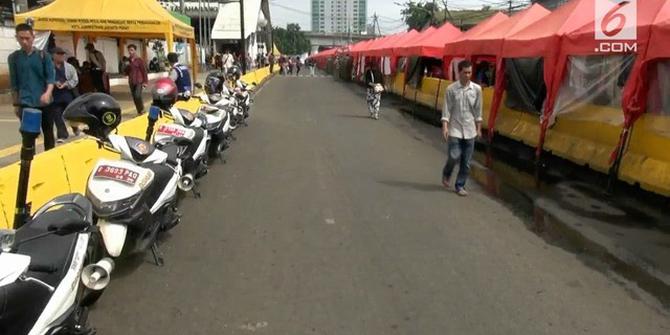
x,y
243,47
432,14
509,12
181,6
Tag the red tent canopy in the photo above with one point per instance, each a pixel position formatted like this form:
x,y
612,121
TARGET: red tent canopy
x,y
452,48
360,46
387,48
380,49
583,42
431,44
658,46
379,43
542,39
490,42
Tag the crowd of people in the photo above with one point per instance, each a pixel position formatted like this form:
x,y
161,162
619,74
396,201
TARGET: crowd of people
x,y
49,81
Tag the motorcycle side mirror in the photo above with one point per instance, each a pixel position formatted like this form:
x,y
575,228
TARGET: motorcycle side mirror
x,y
68,226
198,85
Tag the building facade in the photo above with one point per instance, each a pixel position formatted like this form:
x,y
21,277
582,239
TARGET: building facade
x,y
339,16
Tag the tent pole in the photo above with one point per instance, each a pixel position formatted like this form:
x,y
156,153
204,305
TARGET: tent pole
x,y
243,47
194,60
200,24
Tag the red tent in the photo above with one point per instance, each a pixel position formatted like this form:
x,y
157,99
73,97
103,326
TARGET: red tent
x,y
490,42
542,39
652,43
360,46
378,48
431,44
415,39
452,48
387,50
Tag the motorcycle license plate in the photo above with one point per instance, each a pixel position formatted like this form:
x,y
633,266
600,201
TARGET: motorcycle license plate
x,y
171,131
117,173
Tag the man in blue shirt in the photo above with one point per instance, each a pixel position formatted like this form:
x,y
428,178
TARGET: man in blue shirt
x,y
32,77
180,74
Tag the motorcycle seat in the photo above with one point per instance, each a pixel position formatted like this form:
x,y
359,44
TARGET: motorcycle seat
x,y
50,251
140,149
187,116
21,304
209,109
172,150
214,98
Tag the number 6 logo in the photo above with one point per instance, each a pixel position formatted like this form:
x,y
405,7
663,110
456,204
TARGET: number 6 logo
x,y
616,19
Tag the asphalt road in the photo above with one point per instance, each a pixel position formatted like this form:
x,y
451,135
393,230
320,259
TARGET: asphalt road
x,y
326,222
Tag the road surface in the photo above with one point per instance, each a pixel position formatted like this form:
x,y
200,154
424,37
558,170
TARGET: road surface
x,y
324,221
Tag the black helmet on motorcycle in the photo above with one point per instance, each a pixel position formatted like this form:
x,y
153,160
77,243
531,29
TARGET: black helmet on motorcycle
x,y
233,73
99,112
164,93
214,82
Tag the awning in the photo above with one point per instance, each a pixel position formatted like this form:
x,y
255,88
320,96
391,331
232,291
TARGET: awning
x,y
227,23
490,41
387,49
452,48
430,45
127,18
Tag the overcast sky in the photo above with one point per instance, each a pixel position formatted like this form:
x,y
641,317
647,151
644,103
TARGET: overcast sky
x,y
390,21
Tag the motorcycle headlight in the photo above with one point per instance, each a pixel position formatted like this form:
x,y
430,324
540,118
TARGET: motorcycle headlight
x,y
113,208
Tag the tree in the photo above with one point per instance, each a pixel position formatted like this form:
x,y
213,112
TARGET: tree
x,y
418,15
291,40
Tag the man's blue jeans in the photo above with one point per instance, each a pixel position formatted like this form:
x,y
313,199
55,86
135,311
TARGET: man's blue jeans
x,y
460,151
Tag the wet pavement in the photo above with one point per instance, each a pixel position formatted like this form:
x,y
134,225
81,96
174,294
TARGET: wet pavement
x,y
324,221
625,233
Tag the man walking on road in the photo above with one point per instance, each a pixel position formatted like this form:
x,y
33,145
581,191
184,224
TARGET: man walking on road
x,y
137,77
461,125
32,78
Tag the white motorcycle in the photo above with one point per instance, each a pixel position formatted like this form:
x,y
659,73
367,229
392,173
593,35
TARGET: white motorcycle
x,y
43,261
134,198
189,134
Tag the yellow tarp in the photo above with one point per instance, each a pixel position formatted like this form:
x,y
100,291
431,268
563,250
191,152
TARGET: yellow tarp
x,y
109,17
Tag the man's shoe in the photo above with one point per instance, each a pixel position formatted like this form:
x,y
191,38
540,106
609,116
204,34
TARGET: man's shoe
x,y
376,116
462,192
445,183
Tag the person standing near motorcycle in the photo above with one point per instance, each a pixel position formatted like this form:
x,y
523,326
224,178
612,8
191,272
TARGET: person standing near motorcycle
x,y
32,79
180,74
137,77
374,84
66,83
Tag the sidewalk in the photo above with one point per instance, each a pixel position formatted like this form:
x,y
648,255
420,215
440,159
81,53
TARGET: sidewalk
x,y
10,140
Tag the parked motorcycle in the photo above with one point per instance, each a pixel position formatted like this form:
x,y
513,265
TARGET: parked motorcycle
x,y
188,132
134,198
44,259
